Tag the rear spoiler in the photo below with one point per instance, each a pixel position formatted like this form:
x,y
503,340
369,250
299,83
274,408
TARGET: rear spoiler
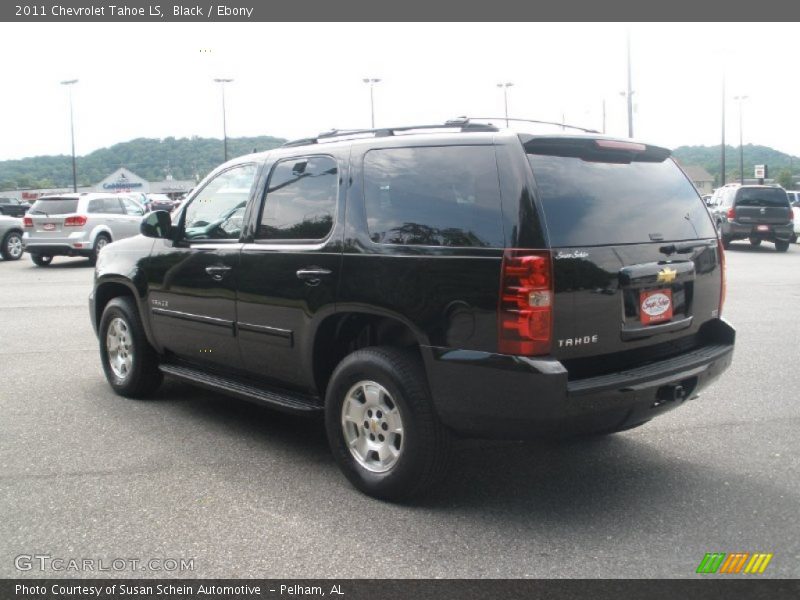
x,y
594,149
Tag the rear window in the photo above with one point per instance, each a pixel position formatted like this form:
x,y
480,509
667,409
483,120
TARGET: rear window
x,y
761,197
433,196
54,206
597,203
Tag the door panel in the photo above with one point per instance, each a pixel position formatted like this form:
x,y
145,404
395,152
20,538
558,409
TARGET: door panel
x,y
289,274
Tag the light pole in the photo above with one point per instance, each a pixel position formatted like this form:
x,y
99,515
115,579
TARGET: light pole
x,y
371,81
505,87
722,154
222,83
741,99
69,83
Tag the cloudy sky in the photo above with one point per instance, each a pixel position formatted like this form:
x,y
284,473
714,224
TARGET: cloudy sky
x,y
294,80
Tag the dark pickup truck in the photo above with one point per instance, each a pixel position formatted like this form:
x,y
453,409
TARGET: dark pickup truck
x,y
412,284
13,207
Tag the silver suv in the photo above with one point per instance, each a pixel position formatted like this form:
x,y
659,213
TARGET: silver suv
x,y
78,224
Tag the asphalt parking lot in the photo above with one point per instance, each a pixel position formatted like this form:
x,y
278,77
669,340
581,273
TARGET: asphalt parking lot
x,y
247,492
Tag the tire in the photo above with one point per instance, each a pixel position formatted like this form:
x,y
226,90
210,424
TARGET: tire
x,y
133,370
41,260
755,242
11,246
781,246
394,379
726,242
99,243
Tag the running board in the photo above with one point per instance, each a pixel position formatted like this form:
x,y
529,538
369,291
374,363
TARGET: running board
x,y
281,400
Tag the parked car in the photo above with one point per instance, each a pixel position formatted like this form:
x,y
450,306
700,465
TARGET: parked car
x,y
412,285
13,207
161,202
794,197
78,224
757,213
10,238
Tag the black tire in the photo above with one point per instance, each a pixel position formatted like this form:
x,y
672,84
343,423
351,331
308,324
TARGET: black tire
x,y
143,377
426,443
41,260
99,242
781,246
755,242
11,246
726,242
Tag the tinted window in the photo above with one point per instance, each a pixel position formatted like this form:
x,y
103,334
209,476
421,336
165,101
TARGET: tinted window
x,y
112,206
761,197
446,196
95,206
131,207
208,216
301,199
597,203
54,206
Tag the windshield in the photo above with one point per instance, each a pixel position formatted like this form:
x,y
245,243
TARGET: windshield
x,y
54,206
598,203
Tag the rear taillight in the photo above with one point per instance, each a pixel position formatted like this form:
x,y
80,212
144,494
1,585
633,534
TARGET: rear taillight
x,y
731,213
791,215
76,221
723,281
525,311
27,222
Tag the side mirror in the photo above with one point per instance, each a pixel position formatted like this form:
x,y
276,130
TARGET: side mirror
x,y
156,224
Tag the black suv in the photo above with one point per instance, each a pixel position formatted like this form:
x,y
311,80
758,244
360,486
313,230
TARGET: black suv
x,y
13,207
755,212
416,283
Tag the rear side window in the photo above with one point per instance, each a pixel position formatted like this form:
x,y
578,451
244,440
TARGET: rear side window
x,y
112,206
433,196
598,203
54,206
761,197
301,199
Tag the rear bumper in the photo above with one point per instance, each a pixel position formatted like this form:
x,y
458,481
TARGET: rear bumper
x,y
57,249
737,231
482,394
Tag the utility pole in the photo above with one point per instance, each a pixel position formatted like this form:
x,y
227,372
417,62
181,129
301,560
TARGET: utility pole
x,y
722,153
222,83
371,81
604,115
630,90
741,146
505,87
69,83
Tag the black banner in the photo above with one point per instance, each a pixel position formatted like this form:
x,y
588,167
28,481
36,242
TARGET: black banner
x,y
395,589
407,10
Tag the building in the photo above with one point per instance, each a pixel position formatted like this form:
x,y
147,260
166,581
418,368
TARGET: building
x,y
121,180
702,179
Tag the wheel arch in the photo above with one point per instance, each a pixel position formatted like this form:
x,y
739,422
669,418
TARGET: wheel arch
x,y
346,331
108,289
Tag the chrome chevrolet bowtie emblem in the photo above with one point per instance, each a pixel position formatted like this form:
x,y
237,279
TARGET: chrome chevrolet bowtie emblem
x,y
666,275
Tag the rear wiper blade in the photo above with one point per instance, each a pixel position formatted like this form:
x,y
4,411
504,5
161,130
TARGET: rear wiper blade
x,y
39,212
683,248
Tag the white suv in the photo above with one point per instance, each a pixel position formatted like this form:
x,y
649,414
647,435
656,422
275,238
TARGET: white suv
x,y
78,224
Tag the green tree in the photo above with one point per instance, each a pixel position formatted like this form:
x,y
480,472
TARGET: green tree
x,y
784,179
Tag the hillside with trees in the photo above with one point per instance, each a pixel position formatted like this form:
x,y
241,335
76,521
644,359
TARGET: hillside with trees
x,y
781,166
153,159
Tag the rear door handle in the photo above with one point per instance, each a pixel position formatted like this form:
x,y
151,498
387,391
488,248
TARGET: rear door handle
x,y
312,275
217,272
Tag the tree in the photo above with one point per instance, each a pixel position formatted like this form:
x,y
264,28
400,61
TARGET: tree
x,y
785,179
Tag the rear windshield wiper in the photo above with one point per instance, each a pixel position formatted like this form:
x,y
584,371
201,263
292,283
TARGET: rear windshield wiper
x,y
683,248
39,212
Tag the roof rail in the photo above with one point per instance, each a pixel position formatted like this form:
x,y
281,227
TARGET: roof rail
x,y
462,124
533,121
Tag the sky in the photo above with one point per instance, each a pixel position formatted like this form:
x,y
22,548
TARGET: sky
x,y
295,80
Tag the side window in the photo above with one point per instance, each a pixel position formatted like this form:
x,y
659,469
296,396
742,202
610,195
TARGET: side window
x,y
301,199
433,196
112,206
95,206
216,212
131,207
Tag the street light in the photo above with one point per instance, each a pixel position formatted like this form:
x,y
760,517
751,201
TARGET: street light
x,y
371,81
505,87
69,83
224,125
741,99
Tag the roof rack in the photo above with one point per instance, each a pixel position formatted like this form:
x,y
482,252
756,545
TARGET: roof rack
x,y
462,124
533,121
